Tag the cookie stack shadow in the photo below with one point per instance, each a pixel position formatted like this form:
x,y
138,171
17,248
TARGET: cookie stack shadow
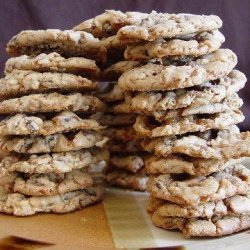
x,y
47,136
183,88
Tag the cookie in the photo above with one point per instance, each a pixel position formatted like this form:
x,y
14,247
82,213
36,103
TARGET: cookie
x,y
143,26
52,102
117,146
21,205
235,205
53,62
6,162
105,24
53,143
109,119
67,43
20,82
223,144
229,103
215,227
114,44
144,126
197,45
52,163
51,183
22,124
153,77
129,163
126,180
156,25
113,72
113,94
204,94
123,108
226,105
191,191
153,203
180,164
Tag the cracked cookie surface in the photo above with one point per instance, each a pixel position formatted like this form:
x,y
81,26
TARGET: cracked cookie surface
x,y
67,43
191,191
53,143
53,102
153,77
21,205
53,62
22,124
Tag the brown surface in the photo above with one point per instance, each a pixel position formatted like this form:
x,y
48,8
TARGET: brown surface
x,y
79,230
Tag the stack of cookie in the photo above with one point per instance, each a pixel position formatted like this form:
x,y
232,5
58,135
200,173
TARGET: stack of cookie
x,y
47,134
126,167
184,89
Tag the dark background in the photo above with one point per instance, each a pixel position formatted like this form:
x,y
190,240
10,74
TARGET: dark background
x,y
17,15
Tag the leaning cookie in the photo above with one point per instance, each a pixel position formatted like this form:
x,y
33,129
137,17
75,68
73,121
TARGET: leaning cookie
x,y
53,62
51,183
106,24
53,143
180,164
53,102
67,43
52,163
127,180
153,77
21,82
22,124
191,191
21,205
222,144
143,26
196,227
144,126
197,45
204,94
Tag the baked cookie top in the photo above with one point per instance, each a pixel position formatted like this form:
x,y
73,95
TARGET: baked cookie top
x,y
50,183
204,94
194,45
21,82
53,102
142,26
22,124
205,227
146,127
191,191
215,144
53,143
21,205
53,62
67,43
183,164
153,77
52,163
